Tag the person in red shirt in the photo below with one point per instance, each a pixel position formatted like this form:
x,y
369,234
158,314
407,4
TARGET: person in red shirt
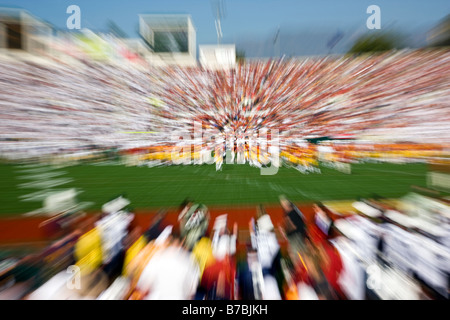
x,y
328,257
331,266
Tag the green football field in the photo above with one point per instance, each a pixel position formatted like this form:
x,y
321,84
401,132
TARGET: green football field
x,y
169,186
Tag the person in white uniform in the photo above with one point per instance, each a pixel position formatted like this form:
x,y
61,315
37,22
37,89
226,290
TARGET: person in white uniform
x,y
171,274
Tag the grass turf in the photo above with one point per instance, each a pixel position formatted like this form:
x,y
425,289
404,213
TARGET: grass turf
x,y
235,184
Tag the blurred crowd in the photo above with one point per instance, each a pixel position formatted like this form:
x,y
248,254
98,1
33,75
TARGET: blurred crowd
x,y
379,250
79,106
302,155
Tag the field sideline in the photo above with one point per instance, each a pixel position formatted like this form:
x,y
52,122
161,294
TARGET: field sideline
x,y
235,185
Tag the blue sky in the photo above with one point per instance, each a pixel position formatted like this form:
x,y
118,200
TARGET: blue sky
x,y
244,18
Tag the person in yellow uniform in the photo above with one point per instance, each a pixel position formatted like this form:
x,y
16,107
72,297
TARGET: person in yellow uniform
x,y
203,253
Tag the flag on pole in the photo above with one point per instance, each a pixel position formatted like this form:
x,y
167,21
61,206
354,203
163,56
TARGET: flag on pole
x,y
335,39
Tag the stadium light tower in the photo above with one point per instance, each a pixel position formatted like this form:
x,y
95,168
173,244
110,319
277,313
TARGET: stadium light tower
x,y
276,42
219,13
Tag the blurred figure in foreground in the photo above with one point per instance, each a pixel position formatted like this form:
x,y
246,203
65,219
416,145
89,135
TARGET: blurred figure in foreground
x,y
294,225
171,274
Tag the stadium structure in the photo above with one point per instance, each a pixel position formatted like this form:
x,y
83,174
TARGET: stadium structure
x,y
172,38
20,30
216,57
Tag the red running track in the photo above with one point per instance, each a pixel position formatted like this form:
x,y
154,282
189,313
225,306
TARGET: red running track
x,y
19,229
